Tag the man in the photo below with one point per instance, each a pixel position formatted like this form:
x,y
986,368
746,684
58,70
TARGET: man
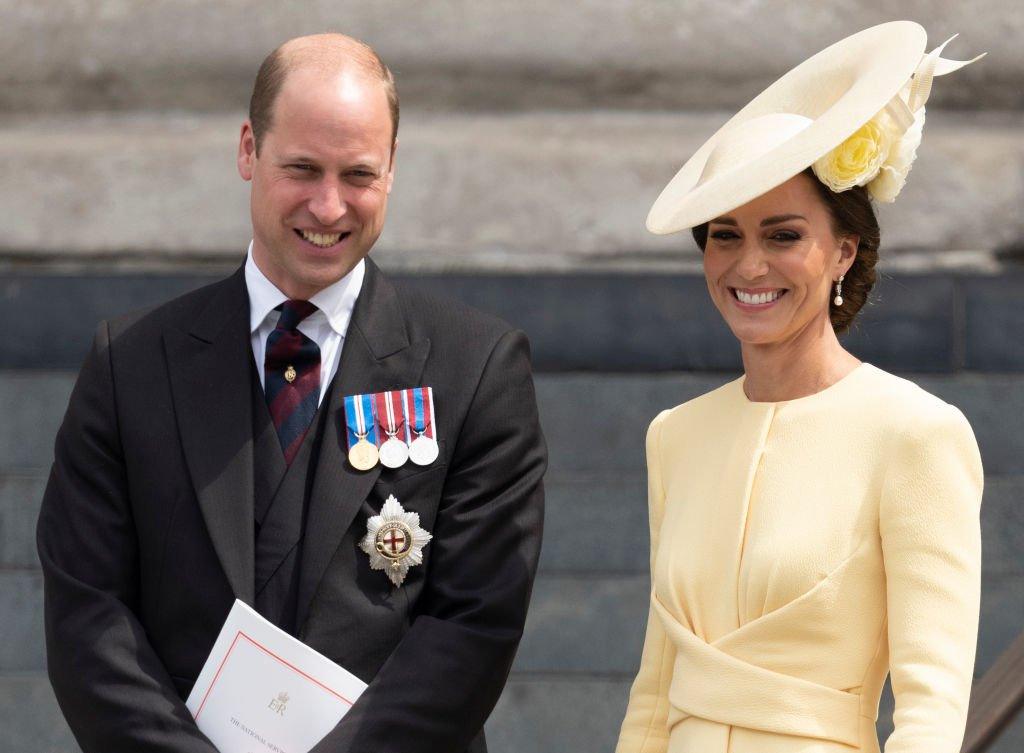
x,y
203,457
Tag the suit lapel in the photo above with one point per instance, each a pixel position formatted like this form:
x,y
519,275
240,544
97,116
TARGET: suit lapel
x,y
377,356
209,370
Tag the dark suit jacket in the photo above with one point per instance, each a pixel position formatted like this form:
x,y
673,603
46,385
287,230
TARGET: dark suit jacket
x,y
146,531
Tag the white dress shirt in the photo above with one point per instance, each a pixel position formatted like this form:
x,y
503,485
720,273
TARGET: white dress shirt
x,y
326,326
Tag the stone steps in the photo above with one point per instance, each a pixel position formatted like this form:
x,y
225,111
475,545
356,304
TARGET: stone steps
x,y
572,406
620,323
537,714
167,55
565,693
609,609
523,192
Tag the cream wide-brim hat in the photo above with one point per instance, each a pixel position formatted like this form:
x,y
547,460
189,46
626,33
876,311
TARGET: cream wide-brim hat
x,y
801,118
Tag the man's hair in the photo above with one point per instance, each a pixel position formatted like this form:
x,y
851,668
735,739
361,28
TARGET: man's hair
x,y
276,66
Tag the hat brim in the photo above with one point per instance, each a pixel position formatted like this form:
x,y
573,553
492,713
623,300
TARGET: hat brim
x,y
839,90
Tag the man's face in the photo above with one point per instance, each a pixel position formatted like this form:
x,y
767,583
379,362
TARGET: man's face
x,y
321,181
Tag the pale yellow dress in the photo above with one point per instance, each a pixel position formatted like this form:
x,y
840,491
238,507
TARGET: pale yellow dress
x,y
799,551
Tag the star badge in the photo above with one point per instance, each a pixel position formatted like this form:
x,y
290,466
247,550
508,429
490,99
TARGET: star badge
x,y
394,540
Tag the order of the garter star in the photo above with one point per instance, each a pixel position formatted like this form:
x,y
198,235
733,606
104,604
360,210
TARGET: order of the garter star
x,y
394,540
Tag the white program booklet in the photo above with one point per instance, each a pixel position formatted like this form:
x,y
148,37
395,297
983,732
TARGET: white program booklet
x,y
263,691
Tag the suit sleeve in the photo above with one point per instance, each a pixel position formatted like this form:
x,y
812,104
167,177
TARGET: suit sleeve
x,y
443,679
112,688
645,726
931,543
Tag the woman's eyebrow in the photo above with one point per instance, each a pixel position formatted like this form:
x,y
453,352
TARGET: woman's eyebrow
x,y
781,218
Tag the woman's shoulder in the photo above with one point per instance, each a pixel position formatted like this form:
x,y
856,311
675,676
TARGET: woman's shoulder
x,y
901,401
912,424
708,404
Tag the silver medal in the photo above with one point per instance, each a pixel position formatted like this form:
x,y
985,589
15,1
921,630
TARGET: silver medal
x,y
394,452
423,450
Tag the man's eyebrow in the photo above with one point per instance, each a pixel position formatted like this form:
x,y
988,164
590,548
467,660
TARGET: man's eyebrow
x,y
362,164
781,218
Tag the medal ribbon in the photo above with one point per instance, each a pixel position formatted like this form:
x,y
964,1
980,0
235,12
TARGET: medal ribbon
x,y
389,411
357,409
419,403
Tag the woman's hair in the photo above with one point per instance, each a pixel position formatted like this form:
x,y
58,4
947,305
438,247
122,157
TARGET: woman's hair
x,y
852,214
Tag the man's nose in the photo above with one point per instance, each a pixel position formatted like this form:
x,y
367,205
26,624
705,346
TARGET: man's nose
x,y
328,203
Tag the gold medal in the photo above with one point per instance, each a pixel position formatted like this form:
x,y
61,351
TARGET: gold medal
x,y
363,455
290,374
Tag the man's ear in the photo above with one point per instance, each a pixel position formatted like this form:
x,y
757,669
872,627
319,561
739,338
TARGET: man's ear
x,y
246,151
391,165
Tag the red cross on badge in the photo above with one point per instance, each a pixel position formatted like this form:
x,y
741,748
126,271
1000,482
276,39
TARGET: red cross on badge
x,y
393,540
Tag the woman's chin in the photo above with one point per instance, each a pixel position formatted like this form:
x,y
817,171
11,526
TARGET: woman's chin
x,y
761,333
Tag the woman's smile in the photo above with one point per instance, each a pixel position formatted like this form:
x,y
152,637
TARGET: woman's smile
x,y
756,299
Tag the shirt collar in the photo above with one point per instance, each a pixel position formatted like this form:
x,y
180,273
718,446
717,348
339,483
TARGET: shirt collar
x,y
336,301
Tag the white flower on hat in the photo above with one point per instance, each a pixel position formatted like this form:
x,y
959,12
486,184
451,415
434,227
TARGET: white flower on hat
x,y
893,174
858,160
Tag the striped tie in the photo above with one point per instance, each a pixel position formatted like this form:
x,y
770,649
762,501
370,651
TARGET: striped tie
x,y
292,377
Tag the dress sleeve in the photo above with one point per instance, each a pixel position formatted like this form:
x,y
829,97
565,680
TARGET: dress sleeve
x,y
644,728
931,543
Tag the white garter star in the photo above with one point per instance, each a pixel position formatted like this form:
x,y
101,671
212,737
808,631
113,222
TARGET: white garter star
x,y
394,540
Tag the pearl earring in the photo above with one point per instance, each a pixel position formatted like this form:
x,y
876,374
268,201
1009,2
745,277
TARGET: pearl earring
x,y
838,300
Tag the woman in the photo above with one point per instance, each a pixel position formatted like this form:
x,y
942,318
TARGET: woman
x,y
814,524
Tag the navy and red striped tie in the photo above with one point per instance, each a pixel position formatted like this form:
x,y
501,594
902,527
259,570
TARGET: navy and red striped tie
x,y
292,377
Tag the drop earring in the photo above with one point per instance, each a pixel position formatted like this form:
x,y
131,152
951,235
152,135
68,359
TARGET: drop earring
x,y
838,300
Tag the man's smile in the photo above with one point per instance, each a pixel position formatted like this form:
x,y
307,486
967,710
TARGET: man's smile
x,y
321,240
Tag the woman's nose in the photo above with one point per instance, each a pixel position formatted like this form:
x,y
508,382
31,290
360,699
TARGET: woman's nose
x,y
753,262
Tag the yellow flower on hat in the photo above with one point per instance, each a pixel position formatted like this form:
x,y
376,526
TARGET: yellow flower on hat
x,y
857,160
893,174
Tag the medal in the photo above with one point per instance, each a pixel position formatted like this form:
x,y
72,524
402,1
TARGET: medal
x,y
363,455
361,433
394,452
419,403
423,450
394,541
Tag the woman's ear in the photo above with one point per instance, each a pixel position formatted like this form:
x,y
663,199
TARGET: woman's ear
x,y
848,246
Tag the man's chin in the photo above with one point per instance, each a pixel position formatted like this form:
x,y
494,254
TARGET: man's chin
x,y
317,276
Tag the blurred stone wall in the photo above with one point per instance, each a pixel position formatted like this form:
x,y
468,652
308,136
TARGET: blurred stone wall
x,y
535,135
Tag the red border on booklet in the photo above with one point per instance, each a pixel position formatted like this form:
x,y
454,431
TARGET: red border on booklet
x,y
267,651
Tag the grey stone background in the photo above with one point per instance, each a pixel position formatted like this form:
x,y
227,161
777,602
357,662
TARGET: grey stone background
x,y
534,137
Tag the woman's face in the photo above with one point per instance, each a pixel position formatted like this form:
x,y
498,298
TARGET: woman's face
x,y
771,264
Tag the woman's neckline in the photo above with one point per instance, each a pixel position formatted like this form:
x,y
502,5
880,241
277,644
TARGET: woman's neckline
x,y
846,379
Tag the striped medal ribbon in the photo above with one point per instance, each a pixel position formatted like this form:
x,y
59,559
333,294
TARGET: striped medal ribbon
x,y
362,433
419,404
394,451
